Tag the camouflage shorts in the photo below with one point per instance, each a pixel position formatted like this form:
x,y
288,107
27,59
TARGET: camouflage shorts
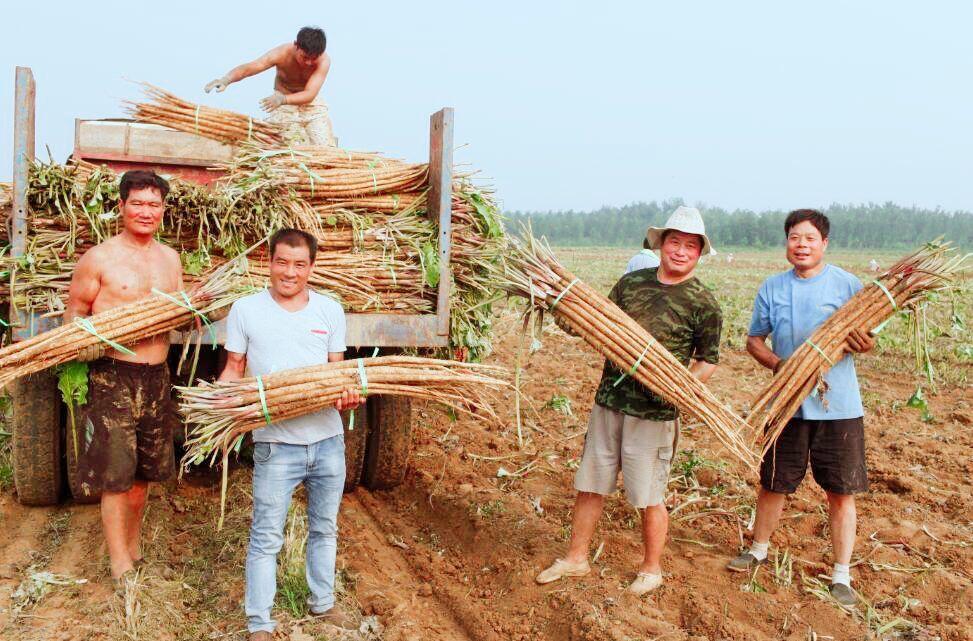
x,y
126,426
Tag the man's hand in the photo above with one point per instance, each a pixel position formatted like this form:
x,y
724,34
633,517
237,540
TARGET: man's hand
x,y
859,342
778,365
271,102
220,84
350,400
91,353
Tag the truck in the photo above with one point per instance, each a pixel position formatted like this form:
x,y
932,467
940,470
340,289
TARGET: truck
x,y
377,446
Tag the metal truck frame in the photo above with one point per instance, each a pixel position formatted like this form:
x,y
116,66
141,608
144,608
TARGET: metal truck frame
x,y
377,450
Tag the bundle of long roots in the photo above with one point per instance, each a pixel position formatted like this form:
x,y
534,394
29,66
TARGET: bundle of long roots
x,y
533,272
220,414
225,126
124,326
903,287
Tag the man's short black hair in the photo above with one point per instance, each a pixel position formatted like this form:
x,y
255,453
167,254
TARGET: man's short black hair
x,y
311,41
294,238
140,179
813,216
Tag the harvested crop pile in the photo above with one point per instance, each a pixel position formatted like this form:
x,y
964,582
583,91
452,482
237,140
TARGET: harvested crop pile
x,y
219,124
378,250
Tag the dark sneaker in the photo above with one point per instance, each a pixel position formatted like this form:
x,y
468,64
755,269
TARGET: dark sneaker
x,y
746,562
843,594
336,616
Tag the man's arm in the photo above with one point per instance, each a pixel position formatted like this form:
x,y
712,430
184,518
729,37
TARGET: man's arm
x,y
247,69
313,86
757,347
235,368
85,285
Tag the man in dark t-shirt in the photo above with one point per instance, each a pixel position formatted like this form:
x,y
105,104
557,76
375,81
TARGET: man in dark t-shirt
x,y
630,428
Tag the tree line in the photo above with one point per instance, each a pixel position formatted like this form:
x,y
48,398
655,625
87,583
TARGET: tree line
x,y
872,226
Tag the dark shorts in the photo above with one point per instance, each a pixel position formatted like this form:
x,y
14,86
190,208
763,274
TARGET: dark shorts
x,y
836,450
125,428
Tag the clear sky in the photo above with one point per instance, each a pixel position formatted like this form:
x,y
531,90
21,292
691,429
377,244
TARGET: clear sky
x,y
564,105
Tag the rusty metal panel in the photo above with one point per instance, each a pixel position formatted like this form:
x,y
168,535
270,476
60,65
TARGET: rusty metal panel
x,y
25,92
440,201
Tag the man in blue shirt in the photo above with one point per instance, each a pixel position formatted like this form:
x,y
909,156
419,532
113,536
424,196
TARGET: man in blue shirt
x,y
828,429
645,259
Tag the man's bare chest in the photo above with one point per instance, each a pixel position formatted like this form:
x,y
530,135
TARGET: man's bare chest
x,y
131,279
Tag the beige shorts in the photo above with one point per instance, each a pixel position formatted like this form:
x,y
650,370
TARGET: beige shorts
x,y
640,448
308,124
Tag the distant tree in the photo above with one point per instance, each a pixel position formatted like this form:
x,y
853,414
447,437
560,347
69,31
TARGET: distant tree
x,y
871,226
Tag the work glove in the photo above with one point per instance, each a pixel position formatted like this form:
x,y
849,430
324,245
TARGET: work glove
x,y
91,353
271,102
219,84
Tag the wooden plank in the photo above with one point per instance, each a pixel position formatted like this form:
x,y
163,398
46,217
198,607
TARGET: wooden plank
x,y
143,142
440,201
25,94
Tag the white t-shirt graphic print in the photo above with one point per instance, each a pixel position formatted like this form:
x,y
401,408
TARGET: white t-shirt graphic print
x,y
274,340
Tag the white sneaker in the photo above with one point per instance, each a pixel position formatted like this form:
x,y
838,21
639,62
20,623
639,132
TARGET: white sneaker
x,y
561,568
645,583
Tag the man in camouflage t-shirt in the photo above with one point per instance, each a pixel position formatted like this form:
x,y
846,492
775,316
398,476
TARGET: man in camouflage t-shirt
x,y
630,428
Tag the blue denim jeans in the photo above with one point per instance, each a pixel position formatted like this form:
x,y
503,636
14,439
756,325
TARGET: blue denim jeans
x,y
277,471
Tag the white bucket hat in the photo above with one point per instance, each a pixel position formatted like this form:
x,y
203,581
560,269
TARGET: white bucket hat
x,y
684,219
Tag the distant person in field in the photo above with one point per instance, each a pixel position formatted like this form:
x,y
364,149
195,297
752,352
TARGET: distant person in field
x,y
645,259
280,328
301,69
124,431
631,429
827,430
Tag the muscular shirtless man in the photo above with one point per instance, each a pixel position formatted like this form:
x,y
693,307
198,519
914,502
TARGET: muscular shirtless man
x,y
302,67
126,425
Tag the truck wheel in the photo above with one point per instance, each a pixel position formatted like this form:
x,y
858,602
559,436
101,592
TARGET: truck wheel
x,y
355,441
389,441
36,426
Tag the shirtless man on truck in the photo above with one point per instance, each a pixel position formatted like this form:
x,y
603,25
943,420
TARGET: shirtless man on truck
x,y
302,67
125,431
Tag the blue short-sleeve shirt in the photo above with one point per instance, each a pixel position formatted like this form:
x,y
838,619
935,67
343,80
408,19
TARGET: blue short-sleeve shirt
x,y
789,309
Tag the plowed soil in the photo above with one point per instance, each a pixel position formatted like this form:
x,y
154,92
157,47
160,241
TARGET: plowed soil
x,y
451,553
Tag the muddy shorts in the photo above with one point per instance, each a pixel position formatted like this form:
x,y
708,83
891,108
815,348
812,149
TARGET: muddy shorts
x,y
640,448
835,449
125,428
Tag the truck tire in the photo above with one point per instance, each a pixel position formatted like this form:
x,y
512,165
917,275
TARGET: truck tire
x,y
355,441
36,427
389,441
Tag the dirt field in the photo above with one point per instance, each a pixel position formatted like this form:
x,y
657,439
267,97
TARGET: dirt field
x,y
451,554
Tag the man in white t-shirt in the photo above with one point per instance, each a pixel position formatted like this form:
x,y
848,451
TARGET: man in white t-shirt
x,y
285,327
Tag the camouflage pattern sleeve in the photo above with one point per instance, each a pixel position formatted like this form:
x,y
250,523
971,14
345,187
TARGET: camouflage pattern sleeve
x,y
707,330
